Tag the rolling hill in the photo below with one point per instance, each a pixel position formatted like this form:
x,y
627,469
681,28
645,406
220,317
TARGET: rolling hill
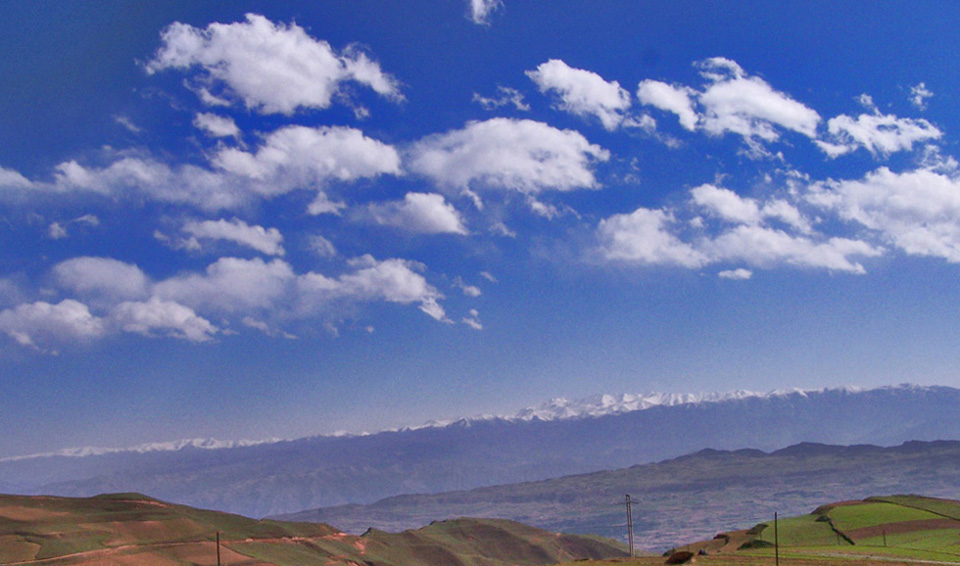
x,y
132,529
907,527
681,499
556,439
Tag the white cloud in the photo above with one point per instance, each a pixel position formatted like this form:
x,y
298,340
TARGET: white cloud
x,y
726,204
272,68
231,285
468,290
480,10
309,158
670,98
643,237
583,93
473,320
917,211
165,317
56,231
215,125
731,207
880,134
919,95
521,155
506,96
321,246
10,179
739,274
391,280
264,240
291,158
101,277
748,106
128,124
767,247
420,212
41,324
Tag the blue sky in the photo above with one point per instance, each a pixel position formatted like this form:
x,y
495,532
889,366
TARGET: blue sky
x,y
244,220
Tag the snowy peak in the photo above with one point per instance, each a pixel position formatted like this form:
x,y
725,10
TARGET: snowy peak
x,y
607,404
170,446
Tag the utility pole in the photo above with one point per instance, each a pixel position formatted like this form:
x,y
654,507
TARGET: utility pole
x,y
776,538
218,548
630,525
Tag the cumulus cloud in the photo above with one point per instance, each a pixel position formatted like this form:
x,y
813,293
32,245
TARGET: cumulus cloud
x,y
480,10
521,155
215,125
419,212
731,207
767,247
302,157
42,324
291,158
880,134
265,240
670,98
583,93
101,277
748,106
272,68
734,102
728,228
392,280
917,211
230,285
644,237
165,318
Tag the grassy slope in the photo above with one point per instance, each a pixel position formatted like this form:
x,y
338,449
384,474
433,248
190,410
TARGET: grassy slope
x,y
129,529
877,531
899,527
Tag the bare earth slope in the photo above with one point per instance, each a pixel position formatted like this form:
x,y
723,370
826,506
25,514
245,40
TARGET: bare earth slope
x,y
132,529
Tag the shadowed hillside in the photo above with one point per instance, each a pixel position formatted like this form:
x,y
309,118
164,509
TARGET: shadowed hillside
x,y
681,499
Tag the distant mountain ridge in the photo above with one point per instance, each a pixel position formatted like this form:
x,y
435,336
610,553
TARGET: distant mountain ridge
x,y
557,408
556,439
682,499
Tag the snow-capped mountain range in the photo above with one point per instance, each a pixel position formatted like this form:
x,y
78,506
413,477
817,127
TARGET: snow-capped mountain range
x,y
558,408
560,437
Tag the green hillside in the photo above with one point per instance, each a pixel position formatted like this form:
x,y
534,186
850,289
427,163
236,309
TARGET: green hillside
x,y
132,529
899,527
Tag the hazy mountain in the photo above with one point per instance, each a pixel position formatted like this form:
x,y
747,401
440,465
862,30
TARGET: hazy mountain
x,y
556,439
683,499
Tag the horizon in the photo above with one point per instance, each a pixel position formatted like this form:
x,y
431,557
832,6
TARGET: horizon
x,y
244,220
525,414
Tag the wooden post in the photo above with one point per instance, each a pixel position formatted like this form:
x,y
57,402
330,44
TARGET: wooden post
x,y
776,538
884,531
218,548
630,525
